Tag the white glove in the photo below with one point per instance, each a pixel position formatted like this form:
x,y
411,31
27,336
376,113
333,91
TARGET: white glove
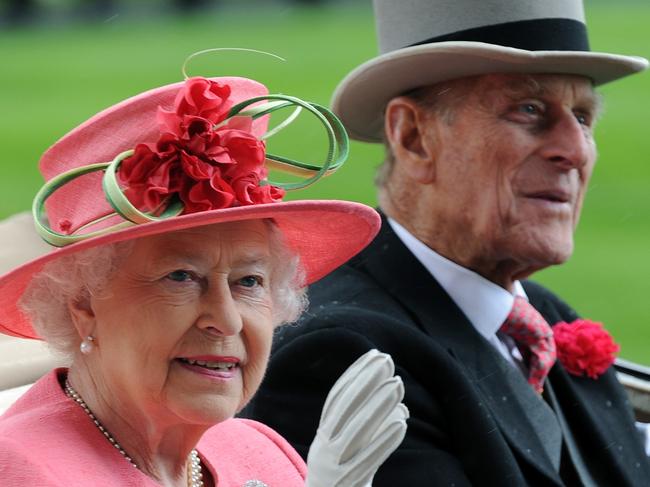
x,y
362,423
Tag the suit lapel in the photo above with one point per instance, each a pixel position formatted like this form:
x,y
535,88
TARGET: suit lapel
x,y
595,416
520,415
572,447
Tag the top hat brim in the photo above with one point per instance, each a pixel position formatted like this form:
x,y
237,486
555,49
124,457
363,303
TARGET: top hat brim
x,y
360,98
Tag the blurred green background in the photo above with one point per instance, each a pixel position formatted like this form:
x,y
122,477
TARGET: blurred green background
x,y
60,70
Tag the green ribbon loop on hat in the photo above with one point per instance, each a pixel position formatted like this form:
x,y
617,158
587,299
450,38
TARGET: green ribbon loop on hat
x,y
337,153
44,229
337,138
121,204
114,195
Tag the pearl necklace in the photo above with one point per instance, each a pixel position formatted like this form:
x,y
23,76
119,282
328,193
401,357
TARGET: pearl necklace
x,y
194,475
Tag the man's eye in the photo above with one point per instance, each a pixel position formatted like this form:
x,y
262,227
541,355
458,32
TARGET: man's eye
x,y
530,109
180,276
583,119
250,281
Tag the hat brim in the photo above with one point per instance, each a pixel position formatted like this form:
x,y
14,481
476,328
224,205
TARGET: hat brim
x,y
360,98
325,234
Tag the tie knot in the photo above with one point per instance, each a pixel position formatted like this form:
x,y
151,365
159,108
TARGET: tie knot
x,y
525,324
534,337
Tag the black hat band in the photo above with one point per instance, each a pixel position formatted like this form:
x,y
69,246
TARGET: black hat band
x,y
555,34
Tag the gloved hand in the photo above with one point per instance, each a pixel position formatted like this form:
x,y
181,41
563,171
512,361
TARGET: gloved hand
x,y
362,423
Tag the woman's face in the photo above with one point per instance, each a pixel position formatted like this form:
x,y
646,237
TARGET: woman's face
x,y
183,329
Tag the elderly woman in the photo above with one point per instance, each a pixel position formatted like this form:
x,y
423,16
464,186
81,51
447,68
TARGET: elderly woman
x,y
175,262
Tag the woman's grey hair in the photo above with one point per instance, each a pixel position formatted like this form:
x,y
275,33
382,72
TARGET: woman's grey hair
x,y
83,274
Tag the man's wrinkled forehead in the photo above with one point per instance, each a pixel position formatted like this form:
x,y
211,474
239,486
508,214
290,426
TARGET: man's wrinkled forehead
x,y
575,90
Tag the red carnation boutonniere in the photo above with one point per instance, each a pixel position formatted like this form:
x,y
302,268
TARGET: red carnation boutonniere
x,y
584,347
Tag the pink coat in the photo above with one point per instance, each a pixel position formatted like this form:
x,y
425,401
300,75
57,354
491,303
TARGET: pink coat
x,y
48,440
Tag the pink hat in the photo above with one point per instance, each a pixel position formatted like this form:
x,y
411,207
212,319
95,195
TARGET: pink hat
x,y
183,155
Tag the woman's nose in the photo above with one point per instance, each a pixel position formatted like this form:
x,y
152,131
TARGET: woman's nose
x,y
220,315
569,143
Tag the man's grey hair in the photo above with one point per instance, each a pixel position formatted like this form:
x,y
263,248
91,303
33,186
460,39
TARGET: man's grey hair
x,y
84,274
438,100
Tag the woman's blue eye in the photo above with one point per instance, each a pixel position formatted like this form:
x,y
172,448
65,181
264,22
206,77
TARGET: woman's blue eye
x,y
180,276
250,281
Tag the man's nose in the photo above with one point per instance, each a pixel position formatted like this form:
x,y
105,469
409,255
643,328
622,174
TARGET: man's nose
x,y
568,143
220,314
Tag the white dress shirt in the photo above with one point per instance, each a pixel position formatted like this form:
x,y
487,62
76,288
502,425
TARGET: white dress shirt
x,y
485,304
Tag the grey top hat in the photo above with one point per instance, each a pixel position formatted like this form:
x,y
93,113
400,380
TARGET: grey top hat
x,y
423,42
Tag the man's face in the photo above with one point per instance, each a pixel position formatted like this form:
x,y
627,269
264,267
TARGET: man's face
x,y
511,170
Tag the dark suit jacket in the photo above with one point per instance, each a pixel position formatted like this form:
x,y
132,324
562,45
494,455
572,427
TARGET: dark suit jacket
x,y
474,419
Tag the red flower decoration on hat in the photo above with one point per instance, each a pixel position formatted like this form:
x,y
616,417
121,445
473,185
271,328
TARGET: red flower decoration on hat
x,y
584,347
209,166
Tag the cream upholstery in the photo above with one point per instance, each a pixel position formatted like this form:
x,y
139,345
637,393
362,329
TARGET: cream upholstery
x,y
9,396
636,380
19,242
21,361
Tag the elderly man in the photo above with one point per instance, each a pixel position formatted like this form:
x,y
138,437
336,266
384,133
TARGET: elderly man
x,y
487,110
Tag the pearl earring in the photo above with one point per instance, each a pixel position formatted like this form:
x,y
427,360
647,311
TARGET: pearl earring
x,y
87,345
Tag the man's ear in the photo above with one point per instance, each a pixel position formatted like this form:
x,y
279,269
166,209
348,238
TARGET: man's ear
x,y
409,134
83,316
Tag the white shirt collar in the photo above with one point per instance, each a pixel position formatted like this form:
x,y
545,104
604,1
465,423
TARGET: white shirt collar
x,y
485,304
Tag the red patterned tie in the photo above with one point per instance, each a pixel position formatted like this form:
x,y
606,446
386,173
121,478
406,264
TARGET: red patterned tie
x,y
534,337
